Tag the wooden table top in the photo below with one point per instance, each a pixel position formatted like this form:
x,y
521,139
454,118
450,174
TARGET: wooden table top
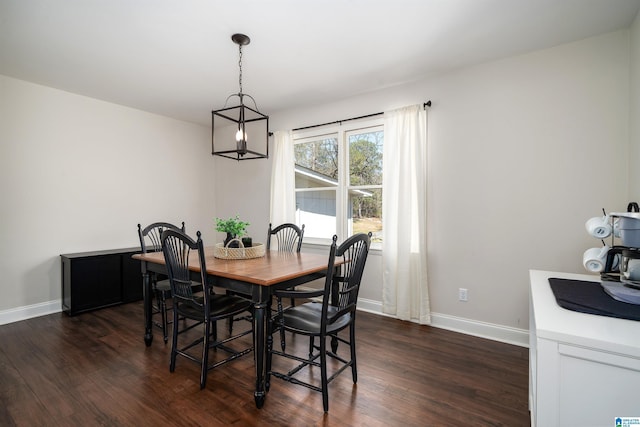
x,y
274,267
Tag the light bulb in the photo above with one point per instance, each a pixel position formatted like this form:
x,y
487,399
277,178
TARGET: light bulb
x,y
240,136
241,142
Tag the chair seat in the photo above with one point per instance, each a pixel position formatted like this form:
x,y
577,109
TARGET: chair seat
x,y
306,319
221,306
163,286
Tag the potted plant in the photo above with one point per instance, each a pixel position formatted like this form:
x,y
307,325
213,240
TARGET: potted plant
x,y
234,227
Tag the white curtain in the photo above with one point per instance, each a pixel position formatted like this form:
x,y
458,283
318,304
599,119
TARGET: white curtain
x,y
404,215
283,196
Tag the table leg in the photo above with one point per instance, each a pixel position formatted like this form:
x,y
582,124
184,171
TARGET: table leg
x,y
147,301
259,348
269,326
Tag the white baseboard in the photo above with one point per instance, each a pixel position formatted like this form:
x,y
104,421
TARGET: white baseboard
x,y
490,331
29,311
509,335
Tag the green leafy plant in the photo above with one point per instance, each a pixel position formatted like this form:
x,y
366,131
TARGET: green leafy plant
x,y
234,226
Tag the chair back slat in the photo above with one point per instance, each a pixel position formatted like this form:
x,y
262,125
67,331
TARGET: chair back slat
x,y
288,237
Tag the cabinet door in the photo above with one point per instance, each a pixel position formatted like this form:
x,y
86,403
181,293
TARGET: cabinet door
x,y
131,278
596,386
95,282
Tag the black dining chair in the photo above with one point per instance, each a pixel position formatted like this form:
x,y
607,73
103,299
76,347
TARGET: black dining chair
x,y
201,309
287,238
325,319
150,241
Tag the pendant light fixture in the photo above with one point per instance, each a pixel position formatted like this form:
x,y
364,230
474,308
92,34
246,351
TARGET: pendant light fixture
x,y
241,129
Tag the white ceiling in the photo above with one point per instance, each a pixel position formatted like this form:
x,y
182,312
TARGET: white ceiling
x,y
176,57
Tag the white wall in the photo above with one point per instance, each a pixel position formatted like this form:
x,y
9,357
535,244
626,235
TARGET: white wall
x,y
78,174
244,188
634,108
522,152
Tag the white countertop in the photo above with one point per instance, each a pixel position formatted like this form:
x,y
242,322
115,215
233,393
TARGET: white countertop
x,y
559,324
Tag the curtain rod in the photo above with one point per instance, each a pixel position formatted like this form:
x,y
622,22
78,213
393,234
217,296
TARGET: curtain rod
x,y
426,104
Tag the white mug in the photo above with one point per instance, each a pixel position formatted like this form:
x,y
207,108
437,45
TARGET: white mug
x,y
595,259
598,227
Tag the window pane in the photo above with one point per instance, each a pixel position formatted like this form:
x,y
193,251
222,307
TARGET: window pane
x,y
319,156
365,207
317,211
306,178
365,158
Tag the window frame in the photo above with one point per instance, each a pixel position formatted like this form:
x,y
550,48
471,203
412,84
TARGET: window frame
x,y
340,132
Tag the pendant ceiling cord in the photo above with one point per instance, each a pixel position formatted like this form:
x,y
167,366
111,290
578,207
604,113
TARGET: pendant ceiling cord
x,y
339,122
240,68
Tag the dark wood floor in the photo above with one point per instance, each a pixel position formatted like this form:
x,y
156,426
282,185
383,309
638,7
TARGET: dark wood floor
x,y
93,369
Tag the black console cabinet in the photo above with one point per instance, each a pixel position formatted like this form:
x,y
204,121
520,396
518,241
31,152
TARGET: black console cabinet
x,y
97,279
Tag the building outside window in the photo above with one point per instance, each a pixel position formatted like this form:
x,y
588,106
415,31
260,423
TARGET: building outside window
x,y
339,181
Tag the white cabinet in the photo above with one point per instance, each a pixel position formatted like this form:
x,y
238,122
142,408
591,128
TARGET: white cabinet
x,y
584,370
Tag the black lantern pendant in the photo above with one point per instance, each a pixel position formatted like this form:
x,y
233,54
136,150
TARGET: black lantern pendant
x,y
246,124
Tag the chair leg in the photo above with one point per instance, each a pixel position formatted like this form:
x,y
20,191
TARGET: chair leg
x,y
283,343
323,373
174,341
352,345
311,342
205,355
158,302
163,314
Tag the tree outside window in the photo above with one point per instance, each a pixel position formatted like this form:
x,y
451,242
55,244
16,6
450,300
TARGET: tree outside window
x,y
339,182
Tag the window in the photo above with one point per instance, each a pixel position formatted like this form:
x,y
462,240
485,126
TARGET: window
x,y
339,181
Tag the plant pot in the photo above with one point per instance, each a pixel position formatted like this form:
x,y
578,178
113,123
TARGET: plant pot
x,y
228,239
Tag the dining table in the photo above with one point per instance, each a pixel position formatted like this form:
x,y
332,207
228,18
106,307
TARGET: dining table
x,y
257,278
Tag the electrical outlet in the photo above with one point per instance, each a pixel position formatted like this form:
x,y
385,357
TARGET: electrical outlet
x,y
463,294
